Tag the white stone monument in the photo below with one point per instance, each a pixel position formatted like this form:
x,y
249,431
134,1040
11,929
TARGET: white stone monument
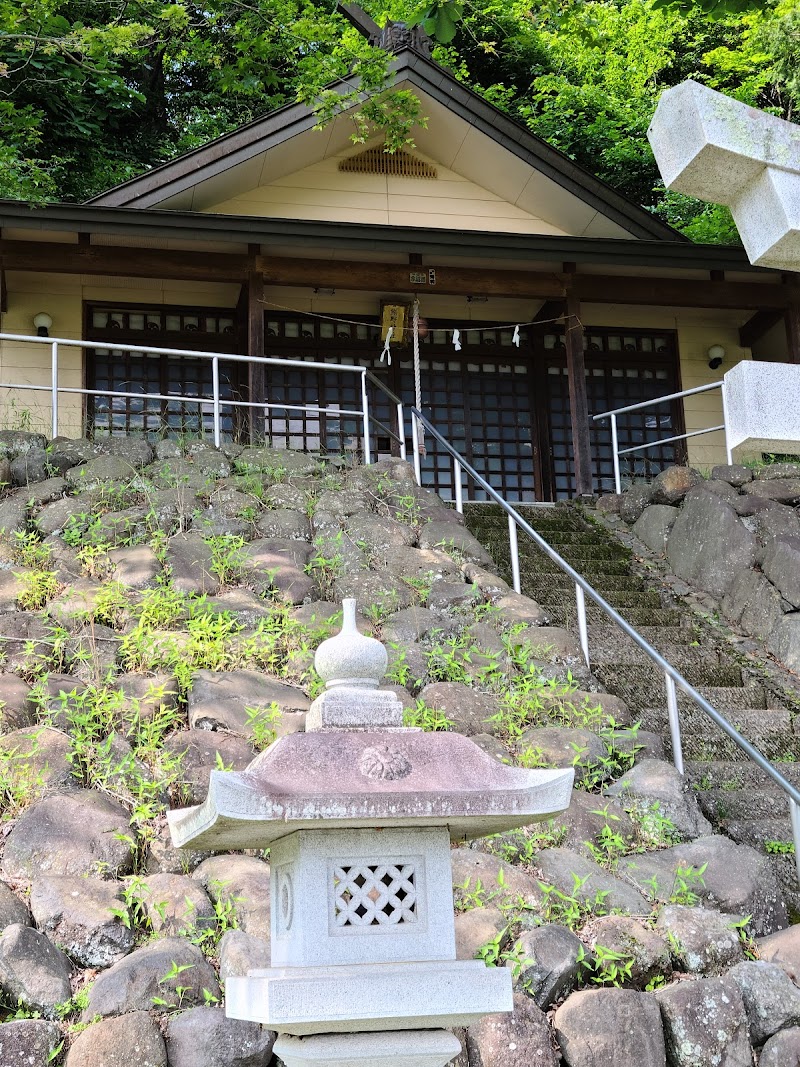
x,y
718,149
359,813
762,408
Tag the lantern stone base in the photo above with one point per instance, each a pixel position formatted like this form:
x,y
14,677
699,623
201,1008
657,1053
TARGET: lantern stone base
x,y
393,996
390,1048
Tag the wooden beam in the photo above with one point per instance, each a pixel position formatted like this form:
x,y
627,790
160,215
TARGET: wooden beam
x,y
126,262
380,277
757,325
578,404
550,309
675,292
3,292
255,347
383,277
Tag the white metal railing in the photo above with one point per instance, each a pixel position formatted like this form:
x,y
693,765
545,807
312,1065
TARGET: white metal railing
x,y
214,402
616,451
673,679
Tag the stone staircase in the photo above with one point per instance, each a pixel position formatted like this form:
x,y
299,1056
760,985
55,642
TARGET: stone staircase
x,y
734,794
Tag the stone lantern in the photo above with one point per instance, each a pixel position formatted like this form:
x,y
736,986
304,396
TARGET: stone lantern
x,y
358,813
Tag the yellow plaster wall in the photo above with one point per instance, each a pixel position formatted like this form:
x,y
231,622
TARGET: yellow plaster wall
x,y
62,296
697,329
323,192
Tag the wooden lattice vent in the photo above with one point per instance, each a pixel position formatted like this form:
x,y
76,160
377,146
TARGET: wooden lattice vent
x,y
400,164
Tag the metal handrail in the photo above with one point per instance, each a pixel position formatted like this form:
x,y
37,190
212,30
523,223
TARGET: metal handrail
x,y
215,400
673,678
616,451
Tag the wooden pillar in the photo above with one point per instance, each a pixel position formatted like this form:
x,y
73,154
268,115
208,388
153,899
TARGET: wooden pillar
x,y
792,322
578,404
256,387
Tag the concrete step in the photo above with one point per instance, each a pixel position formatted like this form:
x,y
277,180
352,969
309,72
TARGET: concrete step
x,y
736,774
567,615
743,805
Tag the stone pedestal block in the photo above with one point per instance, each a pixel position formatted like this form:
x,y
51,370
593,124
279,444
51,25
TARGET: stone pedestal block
x,y
763,407
394,1048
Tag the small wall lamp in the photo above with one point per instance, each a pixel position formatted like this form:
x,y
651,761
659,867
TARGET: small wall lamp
x,y
42,322
716,354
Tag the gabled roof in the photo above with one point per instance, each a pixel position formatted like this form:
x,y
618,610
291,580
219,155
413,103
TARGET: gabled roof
x,y
162,186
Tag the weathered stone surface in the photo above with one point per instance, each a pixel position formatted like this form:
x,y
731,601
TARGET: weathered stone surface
x,y
734,474
784,641
203,751
284,523
609,503
242,881
771,520
203,1037
475,928
411,624
563,746
469,710
427,564
782,490
116,1042
36,465
781,564
92,652
560,867
69,834
29,1043
610,1026
550,644
24,638
753,603
705,1024
647,951
17,709
189,561
133,448
656,780
33,973
377,534
218,700
153,971
771,999
633,503
703,941
380,588
12,909
782,1050
552,957
451,596
13,516
672,484
18,442
240,952
737,879
78,915
654,524
98,472
518,608
276,463
771,471
583,821
783,947
518,1039
717,488
454,539
341,502
175,903
471,867
708,545
136,567
489,583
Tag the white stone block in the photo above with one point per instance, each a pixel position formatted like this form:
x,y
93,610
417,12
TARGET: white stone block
x,y
762,402
767,215
393,1048
361,896
391,996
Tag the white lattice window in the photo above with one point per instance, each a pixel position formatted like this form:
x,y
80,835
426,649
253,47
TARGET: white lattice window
x,y
382,894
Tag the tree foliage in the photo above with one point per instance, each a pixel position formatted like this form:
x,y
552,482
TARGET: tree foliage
x,y
95,91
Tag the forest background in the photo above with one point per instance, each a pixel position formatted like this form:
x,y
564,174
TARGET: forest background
x,y
96,91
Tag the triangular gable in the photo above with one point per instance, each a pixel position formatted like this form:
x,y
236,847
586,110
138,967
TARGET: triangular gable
x,y
465,135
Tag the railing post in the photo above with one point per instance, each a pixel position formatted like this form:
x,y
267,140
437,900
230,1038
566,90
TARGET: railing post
x,y
459,489
215,388
615,454
583,631
54,390
728,450
794,815
514,552
365,416
401,429
415,446
674,723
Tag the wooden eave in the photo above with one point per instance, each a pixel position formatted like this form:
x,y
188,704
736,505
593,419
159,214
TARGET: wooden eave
x,y
269,132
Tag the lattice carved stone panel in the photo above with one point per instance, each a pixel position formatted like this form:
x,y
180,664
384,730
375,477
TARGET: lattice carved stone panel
x,y
382,894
